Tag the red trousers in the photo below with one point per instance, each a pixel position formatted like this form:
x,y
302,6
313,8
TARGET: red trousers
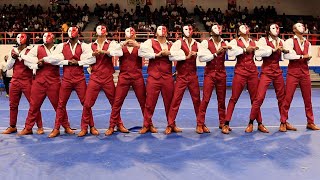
x,y
39,92
18,87
218,80
153,88
304,82
65,91
123,86
182,82
238,83
279,87
94,87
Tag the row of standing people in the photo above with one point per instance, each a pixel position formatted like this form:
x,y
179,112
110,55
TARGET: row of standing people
x,y
36,74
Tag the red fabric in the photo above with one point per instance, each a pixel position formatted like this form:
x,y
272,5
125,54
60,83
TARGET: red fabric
x,y
22,72
72,73
298,74
48,73
270,64
160,66
130,75
214,77
245,62
186,77
101,78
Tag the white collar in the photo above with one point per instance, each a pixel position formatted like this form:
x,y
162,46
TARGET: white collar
x,y
270,39
106,41
167,42
221,40
296,37
242,39
78,42
192,41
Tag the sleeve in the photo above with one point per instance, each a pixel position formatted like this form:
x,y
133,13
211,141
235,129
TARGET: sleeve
x,y
264,50
56,58
177,54
86,57
146,50
116,49
235,49
204,53
31,59
288,45
10,62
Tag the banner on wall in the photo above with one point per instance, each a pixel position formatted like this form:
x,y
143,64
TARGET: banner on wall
x,y
232,4
174,2
137,2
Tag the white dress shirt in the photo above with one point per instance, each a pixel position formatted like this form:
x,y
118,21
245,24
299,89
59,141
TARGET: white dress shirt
x,y
265,50
288,45
177,54
205,54
11,61
147,51
57,57
3,66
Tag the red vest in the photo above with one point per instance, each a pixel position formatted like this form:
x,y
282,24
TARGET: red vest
x,y
271,64
245,62
189,66
160,66
21,71
217,63
130,64
103,68
299,65
48,73
73,73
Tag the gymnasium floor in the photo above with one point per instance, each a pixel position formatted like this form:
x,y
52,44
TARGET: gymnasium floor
x,y
291,155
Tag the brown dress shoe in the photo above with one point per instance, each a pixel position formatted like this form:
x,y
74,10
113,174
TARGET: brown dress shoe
x,y
153,129
205,129
290,127
283,127
312,126
94,131
225,129
54,133
109,131
122,129
69,131
199,129
176,129
82,133
249,129
262,128
168,130
144,130
221,126
10,130
40,131
25,132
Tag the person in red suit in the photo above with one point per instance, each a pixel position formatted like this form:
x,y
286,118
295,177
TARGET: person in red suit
x,y
245,73
159,76
130,75
213,52
184,51
270,50
72,55
46,81
21,82
298,74
101,77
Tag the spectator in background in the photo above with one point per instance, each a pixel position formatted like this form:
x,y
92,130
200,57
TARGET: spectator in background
x,y
6,75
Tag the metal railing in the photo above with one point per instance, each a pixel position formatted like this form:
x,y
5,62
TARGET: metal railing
x,y
36,37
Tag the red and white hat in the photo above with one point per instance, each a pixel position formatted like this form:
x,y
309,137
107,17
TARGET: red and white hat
x,y
274,29
187,31
244,29
21,38
101,30
48,38
130,32
162,31
217,29
73,32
